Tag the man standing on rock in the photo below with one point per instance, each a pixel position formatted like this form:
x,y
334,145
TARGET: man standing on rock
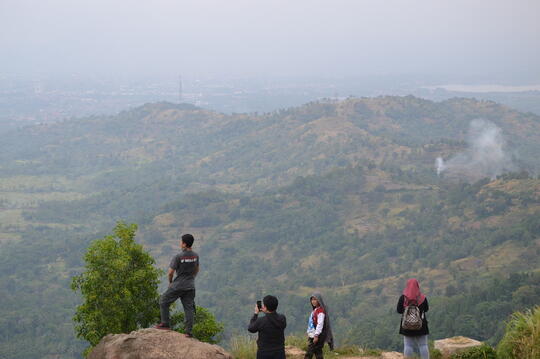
x,y
271,329
186,265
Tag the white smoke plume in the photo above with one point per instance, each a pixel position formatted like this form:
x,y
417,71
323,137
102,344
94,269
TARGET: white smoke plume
x,y
439,164
486,155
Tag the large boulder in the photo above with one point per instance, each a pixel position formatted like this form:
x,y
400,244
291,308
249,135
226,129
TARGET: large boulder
x,y
155,344
454,345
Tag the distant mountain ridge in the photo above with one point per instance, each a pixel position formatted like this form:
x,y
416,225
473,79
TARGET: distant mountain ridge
x,y
210,143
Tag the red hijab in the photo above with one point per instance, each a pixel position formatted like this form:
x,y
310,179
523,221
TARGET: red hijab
x,y
412,293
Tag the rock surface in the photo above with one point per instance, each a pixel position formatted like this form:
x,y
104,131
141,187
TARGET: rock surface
x,y
155,344
453,345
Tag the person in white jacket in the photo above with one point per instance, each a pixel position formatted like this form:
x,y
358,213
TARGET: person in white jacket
x,y
318,331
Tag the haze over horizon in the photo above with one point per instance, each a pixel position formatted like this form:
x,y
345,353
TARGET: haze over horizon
x,y
478,38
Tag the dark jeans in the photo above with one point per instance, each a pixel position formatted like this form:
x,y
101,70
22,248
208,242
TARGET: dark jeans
x,y
278,354
315,349
187,296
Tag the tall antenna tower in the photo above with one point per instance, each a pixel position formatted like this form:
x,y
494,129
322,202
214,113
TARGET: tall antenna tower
x,y
180,89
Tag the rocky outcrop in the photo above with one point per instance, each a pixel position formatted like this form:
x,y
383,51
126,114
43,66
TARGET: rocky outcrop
x,y
453,345
155,344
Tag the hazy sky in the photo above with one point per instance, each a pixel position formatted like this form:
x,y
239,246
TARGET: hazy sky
x,y
256,37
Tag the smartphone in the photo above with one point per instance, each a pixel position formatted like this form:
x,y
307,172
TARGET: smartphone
x,y
259,304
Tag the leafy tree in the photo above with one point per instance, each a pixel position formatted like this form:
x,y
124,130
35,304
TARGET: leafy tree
x,y
206,327
119,287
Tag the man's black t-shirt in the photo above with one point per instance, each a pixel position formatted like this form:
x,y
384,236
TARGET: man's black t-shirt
x,y
185,264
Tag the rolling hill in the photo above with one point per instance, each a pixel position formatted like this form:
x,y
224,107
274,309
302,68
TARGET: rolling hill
x,y
337,196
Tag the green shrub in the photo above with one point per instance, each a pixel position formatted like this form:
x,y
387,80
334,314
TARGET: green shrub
x,y
205,328
522,336
434,353
482,352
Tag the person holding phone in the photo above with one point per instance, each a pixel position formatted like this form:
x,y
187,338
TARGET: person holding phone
x,y
271,329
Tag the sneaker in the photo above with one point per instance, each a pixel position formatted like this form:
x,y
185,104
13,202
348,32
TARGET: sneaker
x,y
162,326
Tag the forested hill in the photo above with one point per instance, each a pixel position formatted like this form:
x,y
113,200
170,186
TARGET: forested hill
x,y
337,196
258,149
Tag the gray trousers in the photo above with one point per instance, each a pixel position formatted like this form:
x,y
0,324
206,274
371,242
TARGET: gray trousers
x,y
418,342
187,296
315,349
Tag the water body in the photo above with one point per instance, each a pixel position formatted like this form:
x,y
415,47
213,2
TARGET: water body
x,y
485,88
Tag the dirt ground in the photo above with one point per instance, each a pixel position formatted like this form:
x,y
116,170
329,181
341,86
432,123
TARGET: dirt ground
x,y
296,353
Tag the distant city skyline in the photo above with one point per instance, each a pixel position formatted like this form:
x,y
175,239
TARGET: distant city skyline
x,y
47,98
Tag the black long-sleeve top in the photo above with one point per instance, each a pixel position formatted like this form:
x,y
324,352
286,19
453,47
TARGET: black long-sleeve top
x,y
271,330
424,307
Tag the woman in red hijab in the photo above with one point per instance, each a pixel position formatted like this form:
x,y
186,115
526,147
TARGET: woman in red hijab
x,y
413,338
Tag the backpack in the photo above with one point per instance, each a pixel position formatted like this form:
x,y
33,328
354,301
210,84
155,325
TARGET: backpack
x,y
412,318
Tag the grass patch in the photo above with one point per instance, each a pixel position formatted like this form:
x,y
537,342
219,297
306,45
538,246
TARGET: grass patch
x,y
522,336
243,347
296,341
356,351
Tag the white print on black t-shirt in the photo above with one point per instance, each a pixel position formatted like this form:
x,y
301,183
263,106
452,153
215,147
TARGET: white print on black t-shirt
x,y
188,260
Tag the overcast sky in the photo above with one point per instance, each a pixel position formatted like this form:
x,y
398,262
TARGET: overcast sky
x,y
256,37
